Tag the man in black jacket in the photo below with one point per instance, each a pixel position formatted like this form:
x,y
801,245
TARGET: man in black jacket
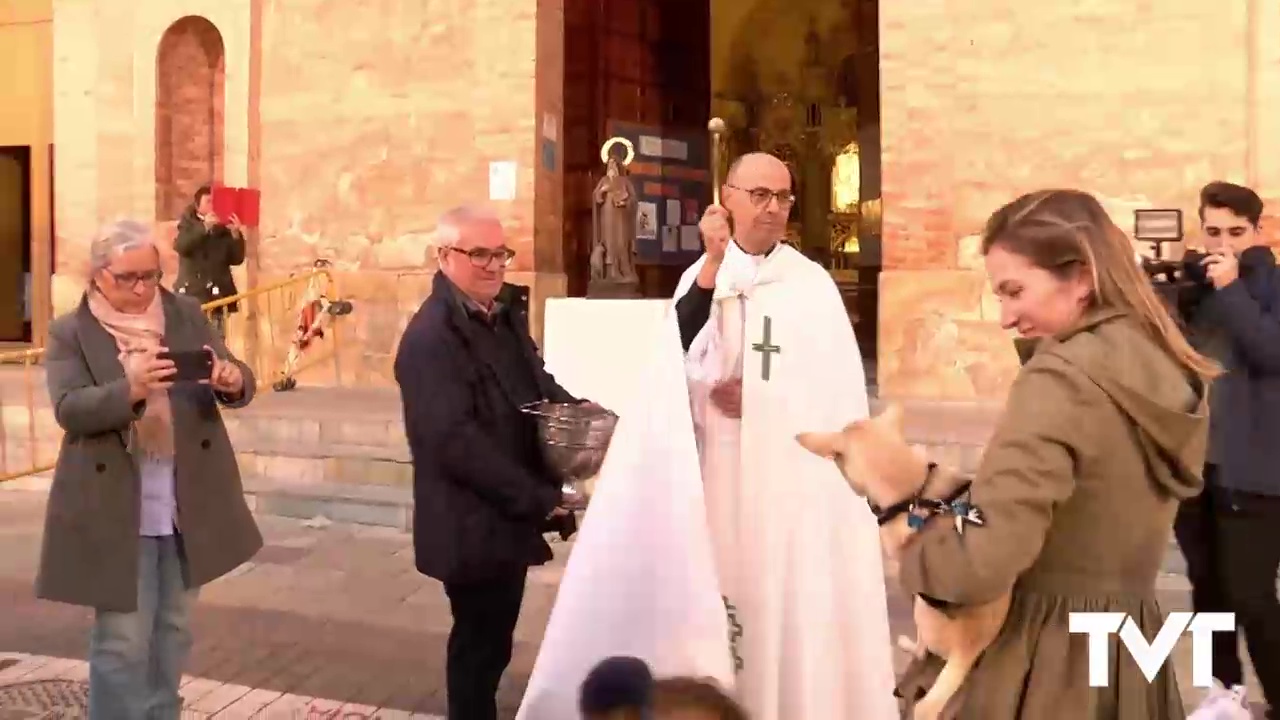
x,y
483,494
1230,534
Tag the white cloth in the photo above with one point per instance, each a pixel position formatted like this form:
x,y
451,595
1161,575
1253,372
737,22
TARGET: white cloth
x,y
756,522
797,553
641,580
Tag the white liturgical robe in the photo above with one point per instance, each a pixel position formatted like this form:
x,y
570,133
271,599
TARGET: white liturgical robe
x,y
797,553
766,575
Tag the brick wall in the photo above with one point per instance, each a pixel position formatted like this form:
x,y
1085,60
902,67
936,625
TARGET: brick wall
x,y
1137,102
368,134
190,100
360,124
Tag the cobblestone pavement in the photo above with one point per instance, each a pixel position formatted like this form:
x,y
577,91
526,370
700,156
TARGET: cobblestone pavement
x,y
39,687
323,612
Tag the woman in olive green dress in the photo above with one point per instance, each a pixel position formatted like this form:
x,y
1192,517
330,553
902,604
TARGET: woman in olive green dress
x,y
1103,434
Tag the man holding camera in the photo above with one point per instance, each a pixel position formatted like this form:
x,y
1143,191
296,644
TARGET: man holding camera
x,y
1230,534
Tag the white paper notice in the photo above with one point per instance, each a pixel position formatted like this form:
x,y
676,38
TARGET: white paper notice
x,y
646,220
651,146
673,212
502,180
690,238
670,238
549,126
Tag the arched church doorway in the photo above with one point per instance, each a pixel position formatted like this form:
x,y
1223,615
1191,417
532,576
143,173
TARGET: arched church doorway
x,y
797,78
190,79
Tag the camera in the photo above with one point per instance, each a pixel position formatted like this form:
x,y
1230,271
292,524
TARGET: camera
x,y
1183,284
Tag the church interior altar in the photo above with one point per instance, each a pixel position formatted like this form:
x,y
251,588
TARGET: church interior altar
x,y
823,121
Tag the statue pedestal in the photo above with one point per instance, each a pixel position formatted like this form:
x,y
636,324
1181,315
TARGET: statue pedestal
x,y
614,289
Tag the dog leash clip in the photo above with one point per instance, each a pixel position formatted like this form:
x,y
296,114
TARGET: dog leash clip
x,y
966,514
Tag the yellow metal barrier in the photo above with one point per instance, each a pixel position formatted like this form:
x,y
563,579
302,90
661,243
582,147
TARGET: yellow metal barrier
x,y
33,462
273,320
286,314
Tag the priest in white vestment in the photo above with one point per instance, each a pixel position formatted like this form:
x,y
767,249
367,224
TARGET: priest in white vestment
x,y
772,530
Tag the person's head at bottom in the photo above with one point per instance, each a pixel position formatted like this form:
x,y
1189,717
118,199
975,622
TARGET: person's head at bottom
x,y
619,688
623,688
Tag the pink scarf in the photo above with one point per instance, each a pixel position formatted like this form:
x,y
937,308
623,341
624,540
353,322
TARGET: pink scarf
x,y
135,334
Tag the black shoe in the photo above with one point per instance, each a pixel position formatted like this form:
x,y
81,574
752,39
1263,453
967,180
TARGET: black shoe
x,y
284,384
338,308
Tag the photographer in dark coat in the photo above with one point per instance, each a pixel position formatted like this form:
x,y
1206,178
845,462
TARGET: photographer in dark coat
x,y
1230,534
483,495
208,247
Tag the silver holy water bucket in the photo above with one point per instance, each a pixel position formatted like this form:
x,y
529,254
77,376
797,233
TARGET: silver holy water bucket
x,y
575,439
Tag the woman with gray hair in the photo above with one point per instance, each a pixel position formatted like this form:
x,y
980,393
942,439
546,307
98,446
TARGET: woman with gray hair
x,y
146,504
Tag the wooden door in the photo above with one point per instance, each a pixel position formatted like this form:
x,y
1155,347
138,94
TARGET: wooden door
x,y
640,61
581,61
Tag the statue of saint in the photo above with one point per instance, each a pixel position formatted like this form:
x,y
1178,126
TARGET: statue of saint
x,y
614,226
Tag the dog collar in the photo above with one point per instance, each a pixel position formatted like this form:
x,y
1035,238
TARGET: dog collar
x,y
919,509
887,515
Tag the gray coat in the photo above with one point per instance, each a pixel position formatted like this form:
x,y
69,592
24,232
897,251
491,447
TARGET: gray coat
x,y
90,551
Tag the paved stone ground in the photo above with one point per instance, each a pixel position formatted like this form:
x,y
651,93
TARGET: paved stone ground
x,y
323,612
39,687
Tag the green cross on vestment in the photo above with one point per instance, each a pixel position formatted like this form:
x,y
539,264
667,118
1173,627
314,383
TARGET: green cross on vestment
x,y
766,348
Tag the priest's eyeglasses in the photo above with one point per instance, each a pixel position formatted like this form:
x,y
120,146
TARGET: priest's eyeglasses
x,y
760,196
483,257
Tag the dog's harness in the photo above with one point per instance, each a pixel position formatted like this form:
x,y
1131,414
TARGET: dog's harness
x,y
919,510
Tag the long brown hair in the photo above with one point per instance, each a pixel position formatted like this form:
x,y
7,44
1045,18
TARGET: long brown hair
x,y
1067,232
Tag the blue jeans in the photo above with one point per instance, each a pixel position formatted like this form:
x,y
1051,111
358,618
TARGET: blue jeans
x,y
136,659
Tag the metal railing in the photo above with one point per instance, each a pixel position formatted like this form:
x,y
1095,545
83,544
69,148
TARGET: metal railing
x,y
264,332
272,321
34,464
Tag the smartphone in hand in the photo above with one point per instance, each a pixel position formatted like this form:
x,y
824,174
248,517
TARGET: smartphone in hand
x,y
190,365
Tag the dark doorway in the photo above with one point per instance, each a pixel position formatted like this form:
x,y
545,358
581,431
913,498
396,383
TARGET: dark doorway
x,y
650,63
15,244
645,62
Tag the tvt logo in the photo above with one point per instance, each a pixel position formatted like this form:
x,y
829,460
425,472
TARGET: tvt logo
x,y
1150,656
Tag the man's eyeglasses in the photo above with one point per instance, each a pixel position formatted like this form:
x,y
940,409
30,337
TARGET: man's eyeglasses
x,y
760,196
483,258
148,278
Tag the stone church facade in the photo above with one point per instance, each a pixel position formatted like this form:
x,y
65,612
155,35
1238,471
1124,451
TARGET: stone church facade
x,y
360,123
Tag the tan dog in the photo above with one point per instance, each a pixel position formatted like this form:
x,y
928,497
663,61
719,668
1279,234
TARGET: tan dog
x,y
876,461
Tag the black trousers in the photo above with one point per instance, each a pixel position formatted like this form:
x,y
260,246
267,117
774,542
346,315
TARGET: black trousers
x,y
484,620
1231,541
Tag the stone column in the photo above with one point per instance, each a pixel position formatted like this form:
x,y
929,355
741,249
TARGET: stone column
x,y
75,75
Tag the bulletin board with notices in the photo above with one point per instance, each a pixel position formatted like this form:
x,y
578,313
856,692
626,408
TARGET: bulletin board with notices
x,y
672,177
